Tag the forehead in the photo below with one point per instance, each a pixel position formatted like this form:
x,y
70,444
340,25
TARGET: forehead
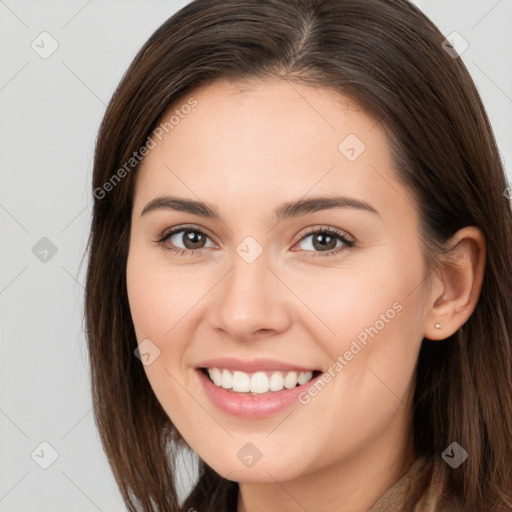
x,y
269,139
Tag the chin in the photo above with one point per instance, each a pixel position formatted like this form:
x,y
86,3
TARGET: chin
x,y
262,470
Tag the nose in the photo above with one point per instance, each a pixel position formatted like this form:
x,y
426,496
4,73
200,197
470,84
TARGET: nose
x,y
251,301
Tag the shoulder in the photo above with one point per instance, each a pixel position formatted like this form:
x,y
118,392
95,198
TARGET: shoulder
x,y
424,488
438,497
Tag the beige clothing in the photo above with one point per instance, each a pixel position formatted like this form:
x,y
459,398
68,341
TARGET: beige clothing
x,y
435,499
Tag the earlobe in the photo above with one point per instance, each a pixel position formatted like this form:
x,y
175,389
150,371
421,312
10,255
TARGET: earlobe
x,y
459,283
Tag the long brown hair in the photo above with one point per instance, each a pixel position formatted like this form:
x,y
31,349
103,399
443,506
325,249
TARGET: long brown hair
x,y
387,56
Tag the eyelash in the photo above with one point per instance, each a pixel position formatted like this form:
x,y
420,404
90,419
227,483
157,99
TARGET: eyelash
x,y
311,231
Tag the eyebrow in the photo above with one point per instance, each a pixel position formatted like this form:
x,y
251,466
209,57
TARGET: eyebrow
x,y
287,210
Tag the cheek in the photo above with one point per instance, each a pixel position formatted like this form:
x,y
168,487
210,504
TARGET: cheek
x,y
159,294
159,299
369,324
164,302
365,301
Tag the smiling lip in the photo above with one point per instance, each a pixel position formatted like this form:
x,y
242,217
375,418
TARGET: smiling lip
x,y
245,405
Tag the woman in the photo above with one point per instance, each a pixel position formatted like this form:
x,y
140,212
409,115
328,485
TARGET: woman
x,y
246,139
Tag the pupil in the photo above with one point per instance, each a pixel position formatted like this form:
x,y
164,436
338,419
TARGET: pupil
x,y
321,239
194,237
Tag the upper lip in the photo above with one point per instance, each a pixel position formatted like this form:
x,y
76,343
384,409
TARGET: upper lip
x,y
252,365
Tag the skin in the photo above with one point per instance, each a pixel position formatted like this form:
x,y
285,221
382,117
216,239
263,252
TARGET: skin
x,y
247,150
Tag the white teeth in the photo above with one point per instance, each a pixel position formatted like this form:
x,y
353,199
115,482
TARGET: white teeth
x,y
304,377
276,381
241,382
216,376
290,381
227,380
259,382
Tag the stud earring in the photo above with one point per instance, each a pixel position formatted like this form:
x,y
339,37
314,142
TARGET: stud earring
x,y
438,325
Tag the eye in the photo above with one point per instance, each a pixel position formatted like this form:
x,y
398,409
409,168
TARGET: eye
x,y
192,239
325,241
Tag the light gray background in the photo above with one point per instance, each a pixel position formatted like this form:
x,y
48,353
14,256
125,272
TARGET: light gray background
x,y
50,112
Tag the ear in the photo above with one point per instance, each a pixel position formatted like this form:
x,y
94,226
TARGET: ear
x,y
457,284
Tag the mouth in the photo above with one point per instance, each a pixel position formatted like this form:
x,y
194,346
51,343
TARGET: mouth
x,y
257,383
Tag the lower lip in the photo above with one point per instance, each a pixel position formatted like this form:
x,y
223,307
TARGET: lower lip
x,y
252,406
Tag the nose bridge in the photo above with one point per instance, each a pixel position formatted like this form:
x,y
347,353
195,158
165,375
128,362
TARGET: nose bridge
x,y
251,298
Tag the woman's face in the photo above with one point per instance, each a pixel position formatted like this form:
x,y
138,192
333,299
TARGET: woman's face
x,y
277,281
